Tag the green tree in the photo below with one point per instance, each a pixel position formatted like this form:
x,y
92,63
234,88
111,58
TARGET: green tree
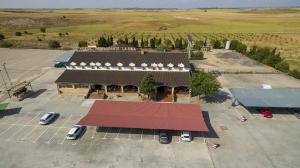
x,y
199,44
2,36
152,42
204,84
147,86
43,29
283,66
82,44
168,44
215,44
102,42
54,44
142,43
126,40
295,74
178,44
18,34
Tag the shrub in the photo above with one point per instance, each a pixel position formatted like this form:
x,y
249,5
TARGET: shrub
x,y
26,32
197,55
82,44
60,34
2,36
18,34
43,29
283,66
216,44
5,44
54,44
295,74
199,44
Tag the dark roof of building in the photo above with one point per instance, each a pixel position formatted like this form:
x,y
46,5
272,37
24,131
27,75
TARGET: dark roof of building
x,y
147,115
123,77
276,97
126,57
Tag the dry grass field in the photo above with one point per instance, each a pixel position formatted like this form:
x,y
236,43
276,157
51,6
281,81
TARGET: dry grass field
x,y
278,28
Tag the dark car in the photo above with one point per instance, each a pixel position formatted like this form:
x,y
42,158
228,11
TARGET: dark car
x,y
59,65
164,137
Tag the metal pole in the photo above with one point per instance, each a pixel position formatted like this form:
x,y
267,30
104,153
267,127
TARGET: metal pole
x,y
7,75
4,83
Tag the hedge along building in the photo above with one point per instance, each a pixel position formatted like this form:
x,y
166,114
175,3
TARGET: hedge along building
x,y
121,72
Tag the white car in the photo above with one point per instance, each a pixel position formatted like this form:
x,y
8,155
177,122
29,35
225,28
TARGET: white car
x,y
47,118
75,131
186,136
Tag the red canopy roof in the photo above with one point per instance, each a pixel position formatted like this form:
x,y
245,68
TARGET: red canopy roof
x,y
147,115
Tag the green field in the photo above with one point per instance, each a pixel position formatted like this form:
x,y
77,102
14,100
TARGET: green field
x,y
278,28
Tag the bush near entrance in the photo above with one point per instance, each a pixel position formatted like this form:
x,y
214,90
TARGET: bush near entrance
x,y
147,86
204,84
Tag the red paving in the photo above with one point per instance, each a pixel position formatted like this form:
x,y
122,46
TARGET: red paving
x,y
146,115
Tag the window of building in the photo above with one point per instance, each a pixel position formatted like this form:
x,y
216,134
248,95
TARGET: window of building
x,y
65,86
81,86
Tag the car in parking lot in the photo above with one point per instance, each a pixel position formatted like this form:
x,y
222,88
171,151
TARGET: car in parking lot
x,y
186,136
47,118
164,137
75,132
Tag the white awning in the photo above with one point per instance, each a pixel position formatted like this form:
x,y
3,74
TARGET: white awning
x,y
92,64
98,64
144,65
82,64
131,64
119,64
73,63
160,65
170,65
181,65
154,65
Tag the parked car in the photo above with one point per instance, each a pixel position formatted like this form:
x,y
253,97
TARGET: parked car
x,y
75,132
47,118
59,65
186,136
266,113
164,137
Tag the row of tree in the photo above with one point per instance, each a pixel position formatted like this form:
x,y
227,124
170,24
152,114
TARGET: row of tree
x,y
265,55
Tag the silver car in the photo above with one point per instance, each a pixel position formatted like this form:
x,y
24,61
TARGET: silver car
x,y
47,118
75,132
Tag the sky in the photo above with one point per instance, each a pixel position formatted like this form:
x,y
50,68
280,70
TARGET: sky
x,y
146,3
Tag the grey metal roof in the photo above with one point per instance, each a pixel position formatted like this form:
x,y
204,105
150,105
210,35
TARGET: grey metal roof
x,y
278,97
65,57
126,57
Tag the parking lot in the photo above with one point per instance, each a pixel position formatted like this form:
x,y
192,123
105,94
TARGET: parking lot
x,y
25,128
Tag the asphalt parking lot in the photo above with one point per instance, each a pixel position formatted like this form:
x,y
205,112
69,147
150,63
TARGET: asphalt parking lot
x,y
25,128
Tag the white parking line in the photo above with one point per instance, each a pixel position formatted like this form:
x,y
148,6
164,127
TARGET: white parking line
x,y
142,135
10,127
22,127
117,137
49,141
106,133
129,135
40,135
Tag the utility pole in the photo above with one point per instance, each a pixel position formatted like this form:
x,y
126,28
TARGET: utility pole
x,y
4,83
9,80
